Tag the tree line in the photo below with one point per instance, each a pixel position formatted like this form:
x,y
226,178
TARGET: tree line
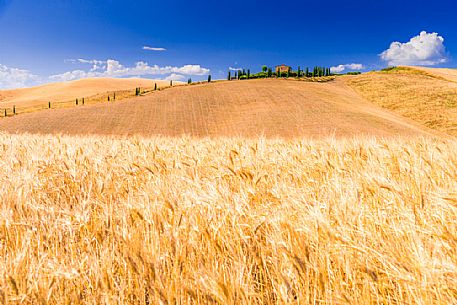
x,y
268,72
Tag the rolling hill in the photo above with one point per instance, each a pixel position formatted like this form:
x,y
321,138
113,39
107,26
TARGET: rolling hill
x,y
64,91
425,95
274,108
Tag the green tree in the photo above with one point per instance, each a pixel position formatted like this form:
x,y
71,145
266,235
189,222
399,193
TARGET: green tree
x,y
307,72
270,72
264,68
229,77
249,73
298,72
189,81
209,78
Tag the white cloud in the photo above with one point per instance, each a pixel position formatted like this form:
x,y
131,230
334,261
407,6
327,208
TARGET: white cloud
x,y
153,49
426,49
234,69
96,64
16,78
113,68
176,77
341,68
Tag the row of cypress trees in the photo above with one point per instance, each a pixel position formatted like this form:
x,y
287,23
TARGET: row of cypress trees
x,y
268,72
239,74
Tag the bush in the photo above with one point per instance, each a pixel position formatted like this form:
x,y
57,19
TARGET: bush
x,y
388,69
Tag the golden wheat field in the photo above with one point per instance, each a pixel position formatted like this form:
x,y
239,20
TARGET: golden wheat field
x,y
98,220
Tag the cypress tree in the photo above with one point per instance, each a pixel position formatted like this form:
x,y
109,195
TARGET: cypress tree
x,y
171,83
229,77
49,106
189,81
14,109
249,73
155,86
114,96
298,72
83,101
288,72
76,102
209,78
270,72
244,72
307,72
108,98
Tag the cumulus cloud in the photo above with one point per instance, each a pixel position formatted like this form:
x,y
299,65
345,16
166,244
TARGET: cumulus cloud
x,y
113,68
341,68
153,49
426,49
16,78
235,69
176,77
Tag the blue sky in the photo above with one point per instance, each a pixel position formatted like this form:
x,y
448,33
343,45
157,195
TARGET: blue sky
x,y
43,41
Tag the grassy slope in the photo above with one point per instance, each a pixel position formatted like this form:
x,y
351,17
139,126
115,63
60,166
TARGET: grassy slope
x,y
232,221
419,94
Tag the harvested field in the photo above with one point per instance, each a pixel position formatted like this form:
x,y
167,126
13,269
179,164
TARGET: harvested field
x,y
68,91
269,107
449,74
427,96
96,220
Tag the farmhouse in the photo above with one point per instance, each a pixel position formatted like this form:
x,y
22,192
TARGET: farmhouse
x,y
282,69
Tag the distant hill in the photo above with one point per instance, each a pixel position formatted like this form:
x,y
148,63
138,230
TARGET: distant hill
x,y
57,92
